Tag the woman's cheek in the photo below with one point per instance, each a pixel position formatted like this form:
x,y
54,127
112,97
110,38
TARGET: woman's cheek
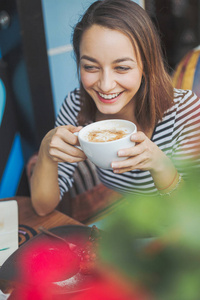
x,y
88,79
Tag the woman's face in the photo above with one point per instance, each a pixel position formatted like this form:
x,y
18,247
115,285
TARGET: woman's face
x,y
110,72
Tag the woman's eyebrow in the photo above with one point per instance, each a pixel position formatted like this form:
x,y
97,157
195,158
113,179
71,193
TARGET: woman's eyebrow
x,y
89,58
124,59
115,61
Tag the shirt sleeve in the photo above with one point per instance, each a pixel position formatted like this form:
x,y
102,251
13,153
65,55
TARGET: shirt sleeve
x,y
186,135
67,115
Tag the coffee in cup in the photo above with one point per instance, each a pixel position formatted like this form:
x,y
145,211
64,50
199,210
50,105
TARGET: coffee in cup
x,y
106,135
100,141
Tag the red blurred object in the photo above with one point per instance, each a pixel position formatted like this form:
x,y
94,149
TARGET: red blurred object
x,y
108,288
31,293
47,261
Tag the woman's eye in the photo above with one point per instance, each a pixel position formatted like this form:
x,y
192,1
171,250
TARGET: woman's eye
x,y
90,68
122,69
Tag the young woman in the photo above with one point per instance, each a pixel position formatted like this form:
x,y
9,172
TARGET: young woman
x,y
122,76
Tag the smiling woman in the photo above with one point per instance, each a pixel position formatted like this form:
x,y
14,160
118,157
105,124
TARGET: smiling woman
x,y
155,81
122,76
110,72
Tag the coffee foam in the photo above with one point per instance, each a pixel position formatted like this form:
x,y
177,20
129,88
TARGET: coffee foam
x,y
106,134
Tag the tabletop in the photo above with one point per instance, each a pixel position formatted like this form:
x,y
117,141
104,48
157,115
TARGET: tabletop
x,y
29,222
27,216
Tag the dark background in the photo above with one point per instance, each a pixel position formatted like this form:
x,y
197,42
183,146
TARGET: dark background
x,y
178,22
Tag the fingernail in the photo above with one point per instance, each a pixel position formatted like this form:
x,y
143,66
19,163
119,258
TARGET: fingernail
x,y
114,165
133,136
121,153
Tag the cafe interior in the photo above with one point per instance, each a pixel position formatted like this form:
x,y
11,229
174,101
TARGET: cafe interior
x,y
37,71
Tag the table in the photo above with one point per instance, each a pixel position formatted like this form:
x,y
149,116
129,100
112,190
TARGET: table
x,y
28,217
29,221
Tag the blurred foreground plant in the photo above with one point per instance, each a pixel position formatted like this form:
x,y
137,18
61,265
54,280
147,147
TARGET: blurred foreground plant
x,y
155,242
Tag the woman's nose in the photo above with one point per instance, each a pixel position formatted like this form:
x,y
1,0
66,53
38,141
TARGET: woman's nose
x,y
106,82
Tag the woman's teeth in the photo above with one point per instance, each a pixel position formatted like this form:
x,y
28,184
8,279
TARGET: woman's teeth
x,y
109,97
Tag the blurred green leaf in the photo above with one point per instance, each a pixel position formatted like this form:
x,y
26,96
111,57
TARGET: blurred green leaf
x,y
156,241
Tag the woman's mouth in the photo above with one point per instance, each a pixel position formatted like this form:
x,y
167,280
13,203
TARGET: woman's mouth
x,y
108,98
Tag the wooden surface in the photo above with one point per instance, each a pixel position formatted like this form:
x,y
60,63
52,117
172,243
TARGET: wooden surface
x,y
83,206
27,215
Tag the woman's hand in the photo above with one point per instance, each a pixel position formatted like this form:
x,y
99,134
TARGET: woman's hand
x,y
59,144
145,155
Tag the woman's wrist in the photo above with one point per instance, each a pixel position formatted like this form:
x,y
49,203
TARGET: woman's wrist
x,y
44,150
178,183
170,184
167,181
166,176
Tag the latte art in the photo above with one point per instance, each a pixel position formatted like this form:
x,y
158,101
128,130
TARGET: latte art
x,y
105,135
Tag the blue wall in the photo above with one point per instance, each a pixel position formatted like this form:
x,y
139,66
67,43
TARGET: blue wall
x,y
59,18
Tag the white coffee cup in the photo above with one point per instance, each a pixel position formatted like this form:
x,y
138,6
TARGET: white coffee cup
x,y
102,154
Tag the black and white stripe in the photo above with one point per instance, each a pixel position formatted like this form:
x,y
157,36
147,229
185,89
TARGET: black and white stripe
x,y
69,110
177,135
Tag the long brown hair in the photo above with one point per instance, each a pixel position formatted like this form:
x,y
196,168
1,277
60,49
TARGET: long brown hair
x,y
155,94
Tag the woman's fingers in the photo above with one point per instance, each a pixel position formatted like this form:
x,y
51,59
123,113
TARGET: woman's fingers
x,y
138,137
141,156
138,148
66,133
62,144
66,152
132,163
60,156
133,151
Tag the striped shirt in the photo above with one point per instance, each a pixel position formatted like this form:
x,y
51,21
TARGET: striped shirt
x,y
177,135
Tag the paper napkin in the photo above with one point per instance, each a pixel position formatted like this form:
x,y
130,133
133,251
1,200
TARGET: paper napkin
x,y
8,229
